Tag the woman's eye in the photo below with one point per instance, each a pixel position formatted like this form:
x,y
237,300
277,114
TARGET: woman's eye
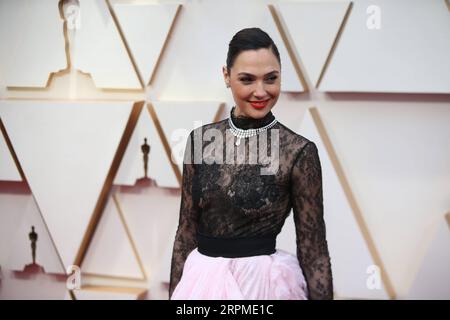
x,y
271,79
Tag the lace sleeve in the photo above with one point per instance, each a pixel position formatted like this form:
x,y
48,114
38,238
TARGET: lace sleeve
x,y
186,235
307,202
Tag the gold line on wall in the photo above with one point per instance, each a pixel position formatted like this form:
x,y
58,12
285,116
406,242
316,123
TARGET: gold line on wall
x,y
219,112
80,76
24,178
163,49
130,237
352,201
335,42
164,141
72,295
101,202
139,292
288,46
125,43
133,247
447,217
112,277
11,151
140,76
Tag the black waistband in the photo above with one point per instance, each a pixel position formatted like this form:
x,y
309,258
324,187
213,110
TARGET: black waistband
x,y
236,247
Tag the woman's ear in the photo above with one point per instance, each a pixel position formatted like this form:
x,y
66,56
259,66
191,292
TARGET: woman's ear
x,y
226,76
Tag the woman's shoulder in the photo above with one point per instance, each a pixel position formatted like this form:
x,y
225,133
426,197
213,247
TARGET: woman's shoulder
x,y
294,140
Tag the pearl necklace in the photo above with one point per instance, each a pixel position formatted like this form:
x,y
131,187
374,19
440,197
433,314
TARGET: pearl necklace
x,y
246,133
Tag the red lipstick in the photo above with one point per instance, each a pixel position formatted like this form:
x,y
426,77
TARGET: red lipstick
x,y
259,104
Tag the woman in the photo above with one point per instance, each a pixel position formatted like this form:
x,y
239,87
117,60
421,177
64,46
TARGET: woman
x,y
231,213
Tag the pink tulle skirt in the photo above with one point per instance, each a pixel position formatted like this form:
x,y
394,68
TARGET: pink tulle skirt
x,y
265,277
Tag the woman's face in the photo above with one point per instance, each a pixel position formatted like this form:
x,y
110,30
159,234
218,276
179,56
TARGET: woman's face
x,y
255,81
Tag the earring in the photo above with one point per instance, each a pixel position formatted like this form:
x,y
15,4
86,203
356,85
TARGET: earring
x,y
228,85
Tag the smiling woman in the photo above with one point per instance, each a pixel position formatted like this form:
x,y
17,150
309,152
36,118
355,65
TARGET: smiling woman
x,y
231,213
253,74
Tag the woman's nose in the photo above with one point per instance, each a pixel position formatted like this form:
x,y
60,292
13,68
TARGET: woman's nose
x,y
260,91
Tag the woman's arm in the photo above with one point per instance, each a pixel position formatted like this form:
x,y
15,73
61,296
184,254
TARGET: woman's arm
x,y
307,202
186,235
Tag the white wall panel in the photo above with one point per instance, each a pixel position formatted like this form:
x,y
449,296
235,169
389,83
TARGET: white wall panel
x,y
20,253
110,252
32,287
409,53
395,157
152,214
99,49
132,166
146,27
31,33
433,280
349,252
13,202
82,139
8,169
313,27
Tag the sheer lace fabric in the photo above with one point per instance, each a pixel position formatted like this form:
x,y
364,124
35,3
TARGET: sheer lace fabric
x,y
225,199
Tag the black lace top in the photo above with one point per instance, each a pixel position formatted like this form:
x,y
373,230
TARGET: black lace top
x,y
226,199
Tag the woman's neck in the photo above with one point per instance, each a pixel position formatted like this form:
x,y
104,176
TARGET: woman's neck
x,y
244,122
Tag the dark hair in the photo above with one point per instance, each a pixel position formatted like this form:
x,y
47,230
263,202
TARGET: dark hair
x,y
249,39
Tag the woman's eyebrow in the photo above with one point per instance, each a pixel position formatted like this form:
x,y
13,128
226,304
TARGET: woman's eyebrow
x,y
249,74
